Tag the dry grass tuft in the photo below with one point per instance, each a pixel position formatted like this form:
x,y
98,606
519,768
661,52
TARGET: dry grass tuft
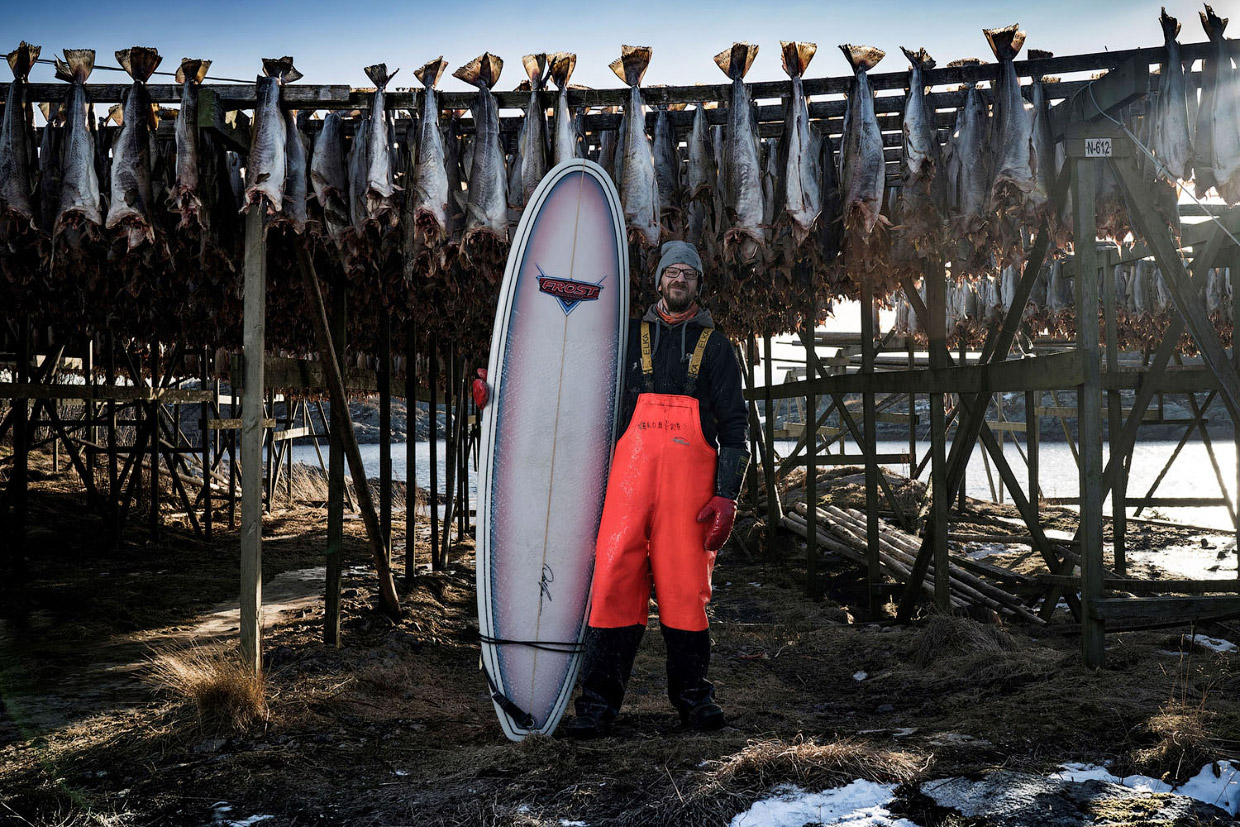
x,y
1183,745
947,636
226,694
734,783
810,764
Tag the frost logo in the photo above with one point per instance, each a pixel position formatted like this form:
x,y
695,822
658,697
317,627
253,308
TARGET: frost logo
x,y
567,291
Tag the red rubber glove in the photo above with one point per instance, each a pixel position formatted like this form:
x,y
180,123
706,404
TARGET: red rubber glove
x,y
482,394
720,512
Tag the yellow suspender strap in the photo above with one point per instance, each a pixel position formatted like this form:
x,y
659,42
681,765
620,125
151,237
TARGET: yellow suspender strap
x,y
647,360
698,352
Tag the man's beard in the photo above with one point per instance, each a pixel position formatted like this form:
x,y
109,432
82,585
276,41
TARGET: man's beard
x,y
678,305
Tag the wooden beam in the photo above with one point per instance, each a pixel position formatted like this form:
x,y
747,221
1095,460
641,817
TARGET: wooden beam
x,y
252,432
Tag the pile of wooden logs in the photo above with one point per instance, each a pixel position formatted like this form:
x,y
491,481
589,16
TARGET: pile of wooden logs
x,y
843,531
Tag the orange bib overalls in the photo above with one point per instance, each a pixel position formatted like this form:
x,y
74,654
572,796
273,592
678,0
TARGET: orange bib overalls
x,y
662,474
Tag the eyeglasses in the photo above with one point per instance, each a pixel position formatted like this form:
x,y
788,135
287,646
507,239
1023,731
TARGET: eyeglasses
x,y
686,273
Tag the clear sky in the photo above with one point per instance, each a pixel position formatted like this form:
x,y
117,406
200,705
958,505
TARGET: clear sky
x,y
333,41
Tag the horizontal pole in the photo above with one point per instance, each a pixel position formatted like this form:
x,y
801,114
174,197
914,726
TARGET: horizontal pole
x,y
1126,608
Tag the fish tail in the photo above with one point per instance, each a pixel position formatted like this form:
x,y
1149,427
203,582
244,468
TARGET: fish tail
x,y
1170,26
1005,42
920,59
139,61
22,59
536,69
193,69
379,76
562,66
631,66
796,55
77,65
429,74
281,68
735,62
483,71
862,58
1212,23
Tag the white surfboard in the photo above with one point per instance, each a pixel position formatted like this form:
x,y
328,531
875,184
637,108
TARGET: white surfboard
x,y
556,363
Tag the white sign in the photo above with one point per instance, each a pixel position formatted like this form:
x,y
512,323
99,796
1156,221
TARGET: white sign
x,y
1097,147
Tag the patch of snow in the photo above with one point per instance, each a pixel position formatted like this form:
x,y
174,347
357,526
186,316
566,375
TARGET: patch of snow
x,y
1190,561
401,773
1221,789
860,676
756,585
566,823
859,804
984,550
1214,643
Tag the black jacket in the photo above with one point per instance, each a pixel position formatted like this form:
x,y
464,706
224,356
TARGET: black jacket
x,y
724,414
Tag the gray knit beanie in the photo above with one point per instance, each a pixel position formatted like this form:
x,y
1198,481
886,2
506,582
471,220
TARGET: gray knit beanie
x,y
677,252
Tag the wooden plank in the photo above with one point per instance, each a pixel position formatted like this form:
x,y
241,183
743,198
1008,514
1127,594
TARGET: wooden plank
x,y
1129,608
1089,416
234,424
1148,587
1128,81
252,432
1151,502
851,459
294,433
103,393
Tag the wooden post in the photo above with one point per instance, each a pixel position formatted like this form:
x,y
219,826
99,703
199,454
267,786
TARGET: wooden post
x,y
154,413
335,475
21,456
233,411
1115,425
436,560
936,305
1089,407
811,458
385,429
1032,441
411,455
873,565
449,431
963,504
1234,272
205,439
252,433
114,496
751,368
773,515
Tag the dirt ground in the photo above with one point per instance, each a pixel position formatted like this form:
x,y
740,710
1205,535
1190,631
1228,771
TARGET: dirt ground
x,y
396,727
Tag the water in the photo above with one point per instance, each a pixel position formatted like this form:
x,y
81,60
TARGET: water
x,y
1190,476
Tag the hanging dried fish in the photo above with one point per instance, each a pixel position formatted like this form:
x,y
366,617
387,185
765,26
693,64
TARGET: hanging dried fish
x,y
486,213
17,153
51,165
799,195
79,185
1172,142
862,169
639,190
566,144
919,216
329,176
380,181
296,186
703,180
1217,156
267,164
186,197
131,199
667,170
1015,198
969,182
741,171
532,148
430,178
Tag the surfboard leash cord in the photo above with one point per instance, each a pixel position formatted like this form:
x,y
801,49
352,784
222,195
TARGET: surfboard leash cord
x,y
566,648
518,715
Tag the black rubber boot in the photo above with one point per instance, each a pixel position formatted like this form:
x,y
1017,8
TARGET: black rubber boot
x,y
605,671
688,658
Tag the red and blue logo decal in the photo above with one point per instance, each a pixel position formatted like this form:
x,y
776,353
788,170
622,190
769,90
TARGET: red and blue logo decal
x,y
567,291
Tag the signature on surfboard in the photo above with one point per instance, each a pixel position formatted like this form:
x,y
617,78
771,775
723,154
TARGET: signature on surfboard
x,y
544,584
